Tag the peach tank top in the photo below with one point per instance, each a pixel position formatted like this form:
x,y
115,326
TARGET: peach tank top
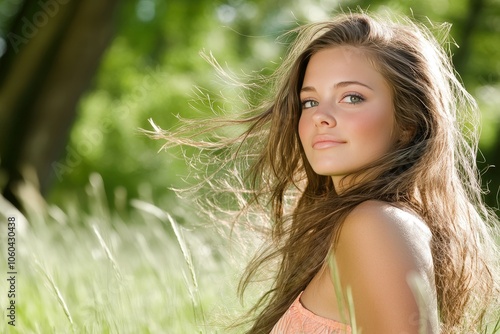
x,y
298,320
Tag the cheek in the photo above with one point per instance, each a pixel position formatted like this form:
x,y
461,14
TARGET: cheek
x,y
376,128
302,128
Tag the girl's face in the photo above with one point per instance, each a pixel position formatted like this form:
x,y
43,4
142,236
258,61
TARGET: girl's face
x,y
347,118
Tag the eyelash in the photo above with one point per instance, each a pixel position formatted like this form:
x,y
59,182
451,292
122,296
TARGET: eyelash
x,y
303,104
358,96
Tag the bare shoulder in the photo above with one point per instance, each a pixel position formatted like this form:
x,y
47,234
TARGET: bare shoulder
x,y
379,214
379,249
381,222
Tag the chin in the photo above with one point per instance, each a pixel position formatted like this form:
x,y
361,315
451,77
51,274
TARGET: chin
x,y
329,171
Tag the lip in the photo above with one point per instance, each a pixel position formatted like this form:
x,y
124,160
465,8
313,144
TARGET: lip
x,y
326,141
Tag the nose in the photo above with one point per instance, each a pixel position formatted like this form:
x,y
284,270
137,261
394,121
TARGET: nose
x,y
324,118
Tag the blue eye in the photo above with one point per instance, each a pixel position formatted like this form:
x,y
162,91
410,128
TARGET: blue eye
x,y
352,99
309,104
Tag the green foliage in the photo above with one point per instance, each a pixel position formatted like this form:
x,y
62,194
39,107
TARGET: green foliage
x,y
150,71
8,9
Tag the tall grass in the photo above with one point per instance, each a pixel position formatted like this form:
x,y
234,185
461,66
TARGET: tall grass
x,y
115,272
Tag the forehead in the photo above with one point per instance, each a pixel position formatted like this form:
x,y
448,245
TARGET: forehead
x,y
343,53
343,63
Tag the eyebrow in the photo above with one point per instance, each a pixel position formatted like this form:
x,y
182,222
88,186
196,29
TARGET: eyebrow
x,y
337,85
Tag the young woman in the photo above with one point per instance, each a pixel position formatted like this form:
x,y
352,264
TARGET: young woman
x,y
362,136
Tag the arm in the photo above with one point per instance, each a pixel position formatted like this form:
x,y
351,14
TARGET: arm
x,y
378,248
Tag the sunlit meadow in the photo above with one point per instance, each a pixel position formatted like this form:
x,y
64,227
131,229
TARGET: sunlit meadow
x,y
137,271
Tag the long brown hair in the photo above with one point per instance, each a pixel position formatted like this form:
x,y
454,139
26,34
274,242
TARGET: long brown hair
x,y
432,170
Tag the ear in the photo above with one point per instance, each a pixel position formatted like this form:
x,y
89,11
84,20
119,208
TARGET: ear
x,y
405,136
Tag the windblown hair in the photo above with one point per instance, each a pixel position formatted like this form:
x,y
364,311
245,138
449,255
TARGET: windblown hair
x,y
431,170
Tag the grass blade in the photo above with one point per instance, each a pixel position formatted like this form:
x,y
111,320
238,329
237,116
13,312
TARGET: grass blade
x,y
58,294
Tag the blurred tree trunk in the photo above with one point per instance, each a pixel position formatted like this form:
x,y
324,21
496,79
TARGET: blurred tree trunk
x,y
464,40
54,49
